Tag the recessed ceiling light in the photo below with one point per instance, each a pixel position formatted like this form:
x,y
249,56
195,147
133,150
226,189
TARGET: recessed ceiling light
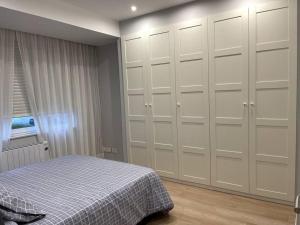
x,y
133,8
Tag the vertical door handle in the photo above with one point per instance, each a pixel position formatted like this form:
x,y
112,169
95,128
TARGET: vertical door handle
x,y
245,104
297,206
150,105
146,105
178,104
252,104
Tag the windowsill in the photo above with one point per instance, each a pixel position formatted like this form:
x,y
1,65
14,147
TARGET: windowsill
x,y
23,132
18,136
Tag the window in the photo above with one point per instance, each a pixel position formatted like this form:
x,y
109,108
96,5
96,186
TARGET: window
x,y
23,126
22,122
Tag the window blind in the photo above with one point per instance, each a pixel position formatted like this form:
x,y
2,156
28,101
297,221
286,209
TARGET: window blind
x,y
20,98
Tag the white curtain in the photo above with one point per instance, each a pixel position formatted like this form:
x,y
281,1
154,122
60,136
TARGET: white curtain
x,y
7,39
62,82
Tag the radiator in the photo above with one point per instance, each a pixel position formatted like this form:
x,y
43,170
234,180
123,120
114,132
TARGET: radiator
x,y
16,158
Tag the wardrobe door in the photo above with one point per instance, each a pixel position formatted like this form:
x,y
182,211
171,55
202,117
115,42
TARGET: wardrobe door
x,y
162,101
273,100
228,50
191,53
135,83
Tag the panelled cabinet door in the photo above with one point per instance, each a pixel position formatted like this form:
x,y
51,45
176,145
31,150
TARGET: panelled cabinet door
x,y
228,50
161,82
191,53
135,88
273,100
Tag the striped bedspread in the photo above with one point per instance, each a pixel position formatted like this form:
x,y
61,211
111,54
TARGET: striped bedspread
x,y
80,190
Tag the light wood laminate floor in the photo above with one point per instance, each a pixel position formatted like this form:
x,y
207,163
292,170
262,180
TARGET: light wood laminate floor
x,y
196,206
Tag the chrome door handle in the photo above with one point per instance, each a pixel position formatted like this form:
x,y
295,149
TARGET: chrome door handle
x,y
297,206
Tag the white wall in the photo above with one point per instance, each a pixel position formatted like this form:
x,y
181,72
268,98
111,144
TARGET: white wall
x,y
111,100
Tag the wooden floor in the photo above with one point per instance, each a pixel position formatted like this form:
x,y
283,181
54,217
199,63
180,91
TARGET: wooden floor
x,y
196,206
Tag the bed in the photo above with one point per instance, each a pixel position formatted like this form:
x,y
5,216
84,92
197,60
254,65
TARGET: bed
x,y
81,190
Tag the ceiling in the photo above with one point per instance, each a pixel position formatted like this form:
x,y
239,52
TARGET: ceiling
x,y
19,21
92,22
120,9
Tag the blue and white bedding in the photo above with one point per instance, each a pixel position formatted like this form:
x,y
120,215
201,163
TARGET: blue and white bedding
x,y
80,190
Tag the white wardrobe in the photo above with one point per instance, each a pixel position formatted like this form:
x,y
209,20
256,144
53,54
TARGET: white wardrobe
x,y
213,101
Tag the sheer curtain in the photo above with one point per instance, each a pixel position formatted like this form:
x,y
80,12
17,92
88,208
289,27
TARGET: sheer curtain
x,y
62,82
7,39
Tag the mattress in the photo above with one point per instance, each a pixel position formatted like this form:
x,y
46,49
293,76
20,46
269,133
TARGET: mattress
x,y
80,190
